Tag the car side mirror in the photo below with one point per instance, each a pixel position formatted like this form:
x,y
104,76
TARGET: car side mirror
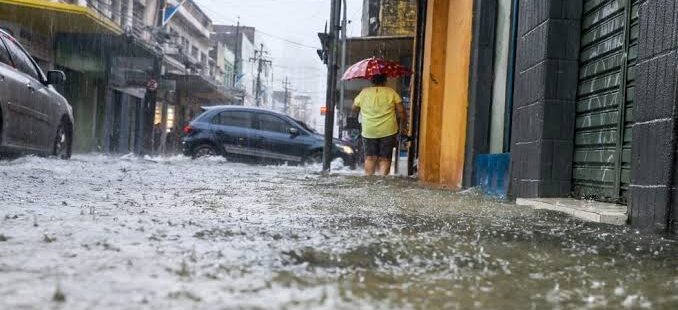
x,y
56,77
293,131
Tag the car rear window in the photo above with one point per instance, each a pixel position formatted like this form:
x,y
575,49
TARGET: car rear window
x,y
233,118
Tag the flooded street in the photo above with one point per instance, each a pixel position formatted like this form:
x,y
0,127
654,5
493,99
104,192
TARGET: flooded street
x,y
101,232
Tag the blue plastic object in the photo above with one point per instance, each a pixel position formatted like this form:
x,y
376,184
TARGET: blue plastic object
x,y
492,174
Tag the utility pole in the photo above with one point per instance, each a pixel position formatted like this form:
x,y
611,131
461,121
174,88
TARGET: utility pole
x,y
335,16
238,54
342,84
286,86
259,58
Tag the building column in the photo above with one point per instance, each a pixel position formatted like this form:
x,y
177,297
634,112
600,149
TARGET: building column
x,y
447,52
653,172
116,7
128,15
108,120
123,143
544,98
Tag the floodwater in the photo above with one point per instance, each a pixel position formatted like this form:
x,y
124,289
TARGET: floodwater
x,y
102,232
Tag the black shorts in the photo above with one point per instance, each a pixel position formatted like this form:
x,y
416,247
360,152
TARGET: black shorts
x,y
380,147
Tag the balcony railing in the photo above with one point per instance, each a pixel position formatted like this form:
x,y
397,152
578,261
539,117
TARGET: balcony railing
x,y
139,27
117,13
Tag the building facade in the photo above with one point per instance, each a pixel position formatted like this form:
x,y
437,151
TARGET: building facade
x,y
246,46
132,79
551,98
84,39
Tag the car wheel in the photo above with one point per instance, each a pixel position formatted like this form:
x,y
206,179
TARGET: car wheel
x,y
62,143
314,158
204,150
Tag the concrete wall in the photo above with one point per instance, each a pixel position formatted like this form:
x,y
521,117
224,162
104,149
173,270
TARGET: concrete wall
x,y
389,17
83,93
248,71
544,99
398,17
653,190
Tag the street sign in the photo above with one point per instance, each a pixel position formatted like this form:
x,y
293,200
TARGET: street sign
x,y
325,43
167,85
152,85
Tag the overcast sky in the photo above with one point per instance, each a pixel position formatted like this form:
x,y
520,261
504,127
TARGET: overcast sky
x,y
298,21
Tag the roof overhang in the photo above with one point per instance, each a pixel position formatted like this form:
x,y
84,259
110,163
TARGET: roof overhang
x,y
54,17
202,88
388,47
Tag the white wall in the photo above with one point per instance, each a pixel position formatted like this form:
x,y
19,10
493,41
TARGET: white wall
x,y
503,33
249,72
188,27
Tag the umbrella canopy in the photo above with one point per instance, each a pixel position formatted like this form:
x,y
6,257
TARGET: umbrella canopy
x,y
368,68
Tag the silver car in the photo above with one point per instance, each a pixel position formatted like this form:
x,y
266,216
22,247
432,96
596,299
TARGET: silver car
x,y
34,117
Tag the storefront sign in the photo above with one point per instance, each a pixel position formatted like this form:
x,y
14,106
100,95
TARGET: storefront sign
x,y
132,72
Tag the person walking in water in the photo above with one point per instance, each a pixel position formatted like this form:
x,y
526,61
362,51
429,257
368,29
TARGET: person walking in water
x,y
382,111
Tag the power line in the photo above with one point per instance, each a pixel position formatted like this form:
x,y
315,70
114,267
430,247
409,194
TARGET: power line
x,y
260,31
286,40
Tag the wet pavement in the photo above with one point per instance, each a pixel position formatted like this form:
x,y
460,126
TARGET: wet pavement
x,y
103,232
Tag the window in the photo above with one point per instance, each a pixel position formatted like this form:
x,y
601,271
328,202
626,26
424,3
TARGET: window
x,y
234,118
4,55
272,123
194,51
21,59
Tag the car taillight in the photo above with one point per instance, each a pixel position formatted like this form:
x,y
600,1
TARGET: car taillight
x,y
188,129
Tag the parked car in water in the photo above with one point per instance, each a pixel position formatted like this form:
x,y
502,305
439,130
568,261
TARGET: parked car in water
x,y
34,117
246,132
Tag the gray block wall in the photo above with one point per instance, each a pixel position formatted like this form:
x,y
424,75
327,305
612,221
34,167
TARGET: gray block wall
x,y
653,177
544,99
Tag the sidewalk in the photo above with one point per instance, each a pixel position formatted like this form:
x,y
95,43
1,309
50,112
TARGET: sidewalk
x,y
592,211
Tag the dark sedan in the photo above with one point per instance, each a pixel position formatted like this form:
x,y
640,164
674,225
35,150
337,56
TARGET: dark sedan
x,y
34,117
245,132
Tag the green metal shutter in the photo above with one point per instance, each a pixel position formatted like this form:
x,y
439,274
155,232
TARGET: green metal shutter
x,y
608,55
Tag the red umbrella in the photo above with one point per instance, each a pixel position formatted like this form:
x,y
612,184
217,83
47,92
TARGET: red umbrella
x,y
368,68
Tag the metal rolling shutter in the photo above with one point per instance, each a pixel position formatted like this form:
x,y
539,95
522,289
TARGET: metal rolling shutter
x,y
606,80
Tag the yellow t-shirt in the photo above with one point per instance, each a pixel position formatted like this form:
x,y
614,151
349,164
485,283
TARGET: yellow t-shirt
x,y
378,110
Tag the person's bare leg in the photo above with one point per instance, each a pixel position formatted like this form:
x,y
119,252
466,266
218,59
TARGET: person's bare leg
x,y
384,166
370,165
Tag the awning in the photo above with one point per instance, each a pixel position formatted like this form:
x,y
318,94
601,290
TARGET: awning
x,y
125,62
200,87
54,17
